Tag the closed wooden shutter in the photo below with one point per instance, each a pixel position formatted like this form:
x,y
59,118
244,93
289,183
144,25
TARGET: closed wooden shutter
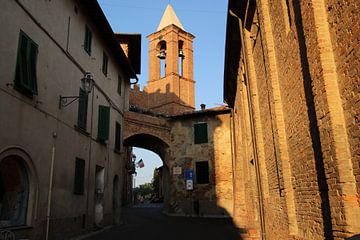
x,y
79,177
87,40
104,123
82,112
25,76
117,136
200,133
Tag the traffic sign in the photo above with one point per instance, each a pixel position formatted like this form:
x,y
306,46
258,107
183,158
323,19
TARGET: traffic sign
x,y
189,174
189,185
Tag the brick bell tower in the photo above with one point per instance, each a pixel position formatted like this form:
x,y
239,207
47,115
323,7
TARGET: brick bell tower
x,y
171,77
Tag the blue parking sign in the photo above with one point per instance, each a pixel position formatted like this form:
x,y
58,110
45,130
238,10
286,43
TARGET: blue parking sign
x,y
189,174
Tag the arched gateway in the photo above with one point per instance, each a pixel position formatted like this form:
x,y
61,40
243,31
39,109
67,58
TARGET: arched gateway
x,y
151,133
196,178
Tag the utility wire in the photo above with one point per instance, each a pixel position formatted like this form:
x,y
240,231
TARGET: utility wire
x,y
160,9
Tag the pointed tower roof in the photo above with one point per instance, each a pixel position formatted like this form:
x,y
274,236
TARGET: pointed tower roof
x,y
169,18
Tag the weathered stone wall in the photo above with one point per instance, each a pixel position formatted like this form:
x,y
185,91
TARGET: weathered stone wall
x,y
215,198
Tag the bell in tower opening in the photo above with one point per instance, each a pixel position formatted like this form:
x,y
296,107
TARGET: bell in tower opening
x,y
171,79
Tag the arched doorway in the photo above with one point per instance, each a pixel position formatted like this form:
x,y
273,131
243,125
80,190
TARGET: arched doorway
x,y
99,195
161,148
14,191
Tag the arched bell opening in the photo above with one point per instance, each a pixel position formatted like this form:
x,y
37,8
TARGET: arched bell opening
x,y
161,48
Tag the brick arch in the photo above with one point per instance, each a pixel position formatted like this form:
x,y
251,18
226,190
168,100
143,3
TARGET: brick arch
x,y
139,123
149,132
148,142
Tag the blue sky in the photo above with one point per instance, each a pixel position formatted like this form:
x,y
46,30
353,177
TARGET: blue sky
x,y
206,19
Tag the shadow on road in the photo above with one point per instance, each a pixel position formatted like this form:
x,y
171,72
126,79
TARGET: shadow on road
x,y
146,222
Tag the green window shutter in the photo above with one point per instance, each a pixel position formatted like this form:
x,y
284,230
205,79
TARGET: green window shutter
x,y
87,40
202,172
32,67
117,136
25,75
104,123
79,177
200,133
105,64
82,112
21,70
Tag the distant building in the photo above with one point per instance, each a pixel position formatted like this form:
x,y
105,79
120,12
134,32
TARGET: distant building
x,y
61,162
292,79
163,119
201,144
170,86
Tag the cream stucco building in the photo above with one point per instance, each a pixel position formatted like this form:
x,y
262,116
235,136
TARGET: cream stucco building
x,y
61,166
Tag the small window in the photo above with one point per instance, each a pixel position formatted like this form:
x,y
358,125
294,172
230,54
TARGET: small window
x,y
105,64
200,133
82,112
87,40
25,75
202,172
79,176
104,122
119,89
117,136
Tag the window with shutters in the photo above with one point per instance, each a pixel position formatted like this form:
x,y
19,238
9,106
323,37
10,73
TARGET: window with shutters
x,y
200,133
25,75
82,112
202,172
87,40
79,177
105,64
104,123
117,137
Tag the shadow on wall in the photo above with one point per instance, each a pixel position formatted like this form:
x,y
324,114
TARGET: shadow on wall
x,y
314,128
210,156
160,102
201,143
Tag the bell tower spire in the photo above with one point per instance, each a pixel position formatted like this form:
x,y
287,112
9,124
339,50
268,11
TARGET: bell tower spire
x,y
171,77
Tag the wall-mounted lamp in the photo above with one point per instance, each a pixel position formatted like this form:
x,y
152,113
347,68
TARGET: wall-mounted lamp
x,y
87,84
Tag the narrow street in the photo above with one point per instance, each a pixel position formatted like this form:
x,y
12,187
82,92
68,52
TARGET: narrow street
x,y
149,223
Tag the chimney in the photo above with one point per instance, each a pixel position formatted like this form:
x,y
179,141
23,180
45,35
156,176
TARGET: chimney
x,y
202,106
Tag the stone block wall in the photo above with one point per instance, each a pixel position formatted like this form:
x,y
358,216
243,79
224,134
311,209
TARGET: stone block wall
x,y
215,198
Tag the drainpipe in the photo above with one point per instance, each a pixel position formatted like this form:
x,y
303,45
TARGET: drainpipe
x,y
90,155
233,154
253,135
50,192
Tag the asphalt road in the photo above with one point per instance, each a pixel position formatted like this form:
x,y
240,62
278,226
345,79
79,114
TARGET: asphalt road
x,y
149,223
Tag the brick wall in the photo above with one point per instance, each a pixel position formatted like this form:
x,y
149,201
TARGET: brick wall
x,y
301,65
